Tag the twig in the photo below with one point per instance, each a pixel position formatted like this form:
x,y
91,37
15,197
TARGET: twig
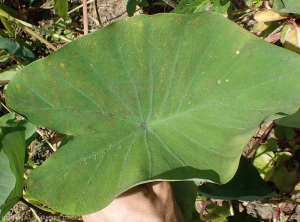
x,y
231,208
249,152
203,208
97,12
22,24
48,214
43,135
290,200
35,214
39,38
171,3
5,107
85,18
291,214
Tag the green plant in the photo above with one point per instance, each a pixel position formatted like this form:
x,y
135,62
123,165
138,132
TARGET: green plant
x,y
164,97
11,52
61,8
131,5
286,31
287,6
14,136
219,6
254,4
277,164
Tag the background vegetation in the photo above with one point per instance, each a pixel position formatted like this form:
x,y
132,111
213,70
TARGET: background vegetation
x,y
266,184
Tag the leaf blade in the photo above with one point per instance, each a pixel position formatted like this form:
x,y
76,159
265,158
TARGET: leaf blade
x,y
159,109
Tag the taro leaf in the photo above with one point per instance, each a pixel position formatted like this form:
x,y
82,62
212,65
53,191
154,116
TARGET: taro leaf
x,y
287,6
163,97
245,185
12,156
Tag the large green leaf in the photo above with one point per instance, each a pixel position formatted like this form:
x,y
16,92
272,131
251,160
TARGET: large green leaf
x,y
164,97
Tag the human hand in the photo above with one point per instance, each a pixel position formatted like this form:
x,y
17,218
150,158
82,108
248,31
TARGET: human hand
x,y
150,202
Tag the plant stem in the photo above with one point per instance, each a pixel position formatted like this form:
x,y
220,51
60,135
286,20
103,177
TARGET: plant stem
x,y
36,215
97,12
48,214
22,24
85,18
35,207
252,149
73,10
49,144
290,200
231,208
203,207
39,38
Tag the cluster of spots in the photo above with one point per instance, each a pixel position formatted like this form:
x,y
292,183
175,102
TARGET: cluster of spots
x,y
220,81
82,195
86,162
